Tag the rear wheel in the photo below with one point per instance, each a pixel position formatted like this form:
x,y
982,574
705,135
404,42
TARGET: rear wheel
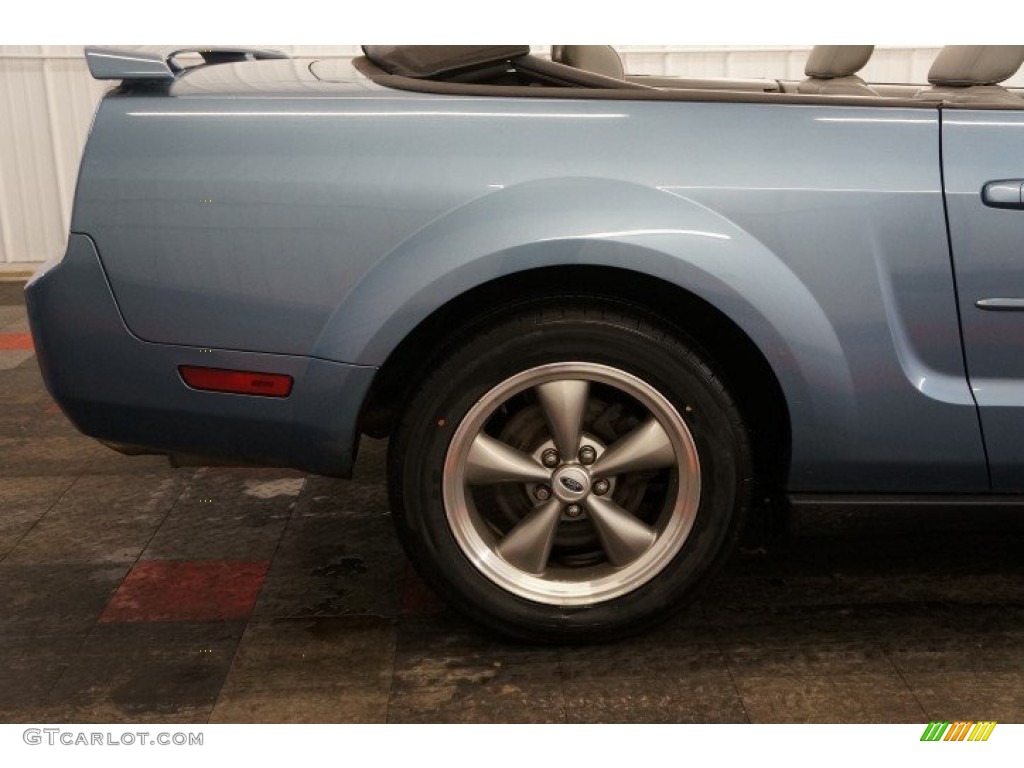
x,y
571,472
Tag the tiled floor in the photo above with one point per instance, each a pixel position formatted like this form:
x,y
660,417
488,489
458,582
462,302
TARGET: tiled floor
x,y
130,591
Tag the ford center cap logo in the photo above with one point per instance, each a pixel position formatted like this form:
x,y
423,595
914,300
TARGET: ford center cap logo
x,y
571,484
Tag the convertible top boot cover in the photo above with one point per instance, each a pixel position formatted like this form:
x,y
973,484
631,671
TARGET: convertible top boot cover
x,y
434,60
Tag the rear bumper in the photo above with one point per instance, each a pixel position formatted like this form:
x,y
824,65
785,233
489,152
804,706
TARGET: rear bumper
x,y
120,389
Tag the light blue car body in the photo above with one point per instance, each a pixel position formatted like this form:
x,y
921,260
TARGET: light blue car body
x,y
251,216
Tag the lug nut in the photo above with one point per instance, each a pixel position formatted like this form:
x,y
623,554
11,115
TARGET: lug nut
x,y
573,510
543,493
549,458
587,455
601,487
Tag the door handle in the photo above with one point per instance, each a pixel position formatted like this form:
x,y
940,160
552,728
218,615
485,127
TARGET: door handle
x,y
1006,193
1000,305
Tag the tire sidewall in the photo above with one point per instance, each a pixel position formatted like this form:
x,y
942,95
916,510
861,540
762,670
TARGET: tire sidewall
x,y
661,360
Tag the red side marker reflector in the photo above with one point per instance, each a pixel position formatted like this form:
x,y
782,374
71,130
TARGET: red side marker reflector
x,y
236,382
15,341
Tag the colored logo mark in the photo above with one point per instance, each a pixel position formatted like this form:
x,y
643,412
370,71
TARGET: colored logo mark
x,y
959,731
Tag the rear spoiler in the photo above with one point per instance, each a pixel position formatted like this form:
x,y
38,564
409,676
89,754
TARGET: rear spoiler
x,y
160,64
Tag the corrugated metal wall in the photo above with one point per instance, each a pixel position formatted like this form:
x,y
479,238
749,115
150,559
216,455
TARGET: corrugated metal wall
x,y
47,100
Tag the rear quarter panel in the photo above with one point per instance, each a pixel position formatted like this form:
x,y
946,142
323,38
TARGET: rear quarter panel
x,y
330,226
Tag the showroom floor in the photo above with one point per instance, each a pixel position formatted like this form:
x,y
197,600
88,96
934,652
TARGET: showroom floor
x,y
131,591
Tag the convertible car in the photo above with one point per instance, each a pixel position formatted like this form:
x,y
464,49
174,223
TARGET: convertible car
x,y
597,313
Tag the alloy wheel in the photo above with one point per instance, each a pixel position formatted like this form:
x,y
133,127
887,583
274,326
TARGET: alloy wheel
x,y
589,506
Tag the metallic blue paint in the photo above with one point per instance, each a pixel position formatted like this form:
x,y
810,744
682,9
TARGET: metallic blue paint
x,y
116,387
255,208
979,147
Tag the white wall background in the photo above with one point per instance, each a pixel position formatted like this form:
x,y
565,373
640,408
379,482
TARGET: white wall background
x,y
47,100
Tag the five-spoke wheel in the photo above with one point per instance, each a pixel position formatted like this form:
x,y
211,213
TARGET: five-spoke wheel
x,y
570,470
581,474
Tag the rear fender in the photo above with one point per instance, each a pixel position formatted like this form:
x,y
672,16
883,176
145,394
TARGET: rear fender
x,y
602,223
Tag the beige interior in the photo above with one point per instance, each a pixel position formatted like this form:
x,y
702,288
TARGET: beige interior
x,y
832,69
971,74
605,60
961,74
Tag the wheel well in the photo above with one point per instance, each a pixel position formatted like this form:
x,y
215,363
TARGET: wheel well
x,y
734,356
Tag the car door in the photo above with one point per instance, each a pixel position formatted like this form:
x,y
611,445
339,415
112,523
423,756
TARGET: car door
x,y
983,164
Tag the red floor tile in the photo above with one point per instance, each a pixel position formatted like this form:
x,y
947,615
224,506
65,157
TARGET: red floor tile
x,y
198,590
15,341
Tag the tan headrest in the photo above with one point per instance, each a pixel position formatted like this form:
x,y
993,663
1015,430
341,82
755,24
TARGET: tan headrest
x,y
599,59
830,61
965,65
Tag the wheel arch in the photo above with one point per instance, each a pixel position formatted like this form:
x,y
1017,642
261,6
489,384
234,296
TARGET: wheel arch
x,y
655,249
737,359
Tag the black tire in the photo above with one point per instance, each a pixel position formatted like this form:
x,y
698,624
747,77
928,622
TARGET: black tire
x,y
556,331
